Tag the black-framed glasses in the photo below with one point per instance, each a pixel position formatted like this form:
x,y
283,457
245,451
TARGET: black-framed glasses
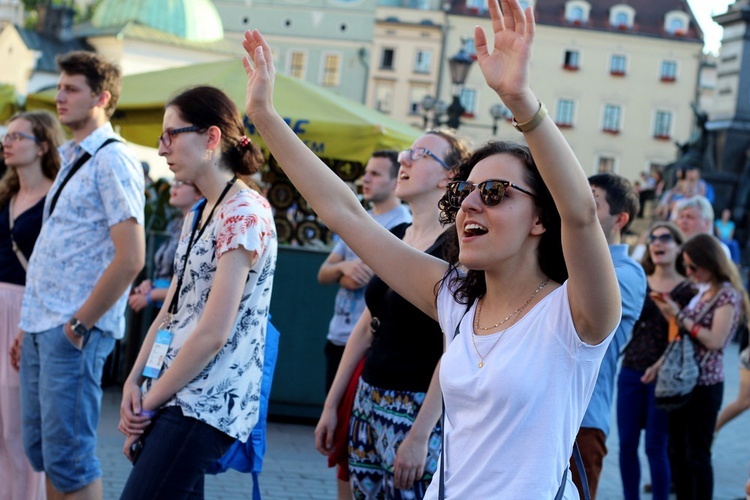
x,y
418,153
167,136
16,137
491,191
661,238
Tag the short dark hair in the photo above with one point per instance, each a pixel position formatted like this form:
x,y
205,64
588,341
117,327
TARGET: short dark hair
x,y
392,156
620,195
205,106
100,73
648,264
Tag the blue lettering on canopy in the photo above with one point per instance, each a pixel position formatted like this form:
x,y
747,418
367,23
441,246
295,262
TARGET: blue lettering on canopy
x,y
298,126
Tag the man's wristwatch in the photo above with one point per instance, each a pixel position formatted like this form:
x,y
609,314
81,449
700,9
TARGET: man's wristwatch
x,y
78,327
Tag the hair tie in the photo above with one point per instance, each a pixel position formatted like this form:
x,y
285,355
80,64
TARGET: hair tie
x,y
243,143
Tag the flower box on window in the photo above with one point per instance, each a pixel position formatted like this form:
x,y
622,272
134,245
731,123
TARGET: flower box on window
x,y
617,72
564,125
610,131
577,22
570,67
468,114
668,78
662,137
623,27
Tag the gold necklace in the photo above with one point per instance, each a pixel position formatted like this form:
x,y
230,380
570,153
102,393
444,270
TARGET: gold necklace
x,y
514,315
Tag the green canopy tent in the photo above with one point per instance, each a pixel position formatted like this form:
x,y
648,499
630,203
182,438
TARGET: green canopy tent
x,y
8,101
332,126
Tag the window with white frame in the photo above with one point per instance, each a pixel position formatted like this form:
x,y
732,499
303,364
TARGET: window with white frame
x,y
612,118
422,61
676,22
621,16
297,60
470,47
663,124
577,12
572,59
668,71
605,164
468,98
564,112
384,97
617,64
331,70
387,58
476,5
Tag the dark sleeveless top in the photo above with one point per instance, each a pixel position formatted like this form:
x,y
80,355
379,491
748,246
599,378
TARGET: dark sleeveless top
x,y
407,343
26,229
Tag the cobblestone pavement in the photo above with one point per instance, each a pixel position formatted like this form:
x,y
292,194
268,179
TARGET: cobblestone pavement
x,y
294,470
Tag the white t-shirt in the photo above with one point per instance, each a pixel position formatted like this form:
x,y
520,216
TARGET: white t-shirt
x,y
510,425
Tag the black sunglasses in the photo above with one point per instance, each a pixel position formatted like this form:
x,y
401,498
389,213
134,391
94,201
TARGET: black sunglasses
x,y
167,136
662,238
491,191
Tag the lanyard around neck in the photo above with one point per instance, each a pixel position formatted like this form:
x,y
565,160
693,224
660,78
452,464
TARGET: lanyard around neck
x,y
193,238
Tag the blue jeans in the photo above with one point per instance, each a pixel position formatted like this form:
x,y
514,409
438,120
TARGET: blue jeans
x,y
177,451
635,411
691,433
61,398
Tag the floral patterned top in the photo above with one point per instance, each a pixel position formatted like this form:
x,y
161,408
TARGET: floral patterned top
x,y
226,394
712,362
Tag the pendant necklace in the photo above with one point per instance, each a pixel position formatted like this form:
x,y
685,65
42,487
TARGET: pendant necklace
x,y
513,315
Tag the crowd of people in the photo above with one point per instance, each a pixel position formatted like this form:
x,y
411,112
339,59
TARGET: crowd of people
x,y
472,270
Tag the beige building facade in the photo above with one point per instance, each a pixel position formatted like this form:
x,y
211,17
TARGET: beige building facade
x,y
618,79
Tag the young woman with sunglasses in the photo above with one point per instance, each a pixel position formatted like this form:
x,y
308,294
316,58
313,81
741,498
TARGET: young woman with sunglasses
x,y
709,319
195,387
30,152
401,345
524,342
635,384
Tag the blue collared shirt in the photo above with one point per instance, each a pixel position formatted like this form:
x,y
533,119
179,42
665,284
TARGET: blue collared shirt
x,y
632,281
74,246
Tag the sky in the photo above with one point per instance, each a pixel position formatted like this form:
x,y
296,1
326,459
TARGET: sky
x,y
703,11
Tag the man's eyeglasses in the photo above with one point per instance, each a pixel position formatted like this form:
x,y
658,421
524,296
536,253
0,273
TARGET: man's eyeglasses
x,y
418,153
661,238
491,191
16,137
167,136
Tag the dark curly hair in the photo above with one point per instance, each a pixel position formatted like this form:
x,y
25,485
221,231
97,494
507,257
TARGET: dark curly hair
x,y
472,285
205,106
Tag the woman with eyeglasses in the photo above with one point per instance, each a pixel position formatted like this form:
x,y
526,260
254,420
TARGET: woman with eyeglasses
x,y
387,456
524,341
30,153
182,196
195,387
709,319
635,384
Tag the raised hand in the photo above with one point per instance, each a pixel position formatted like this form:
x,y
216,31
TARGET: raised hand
x,y
260,72
506,69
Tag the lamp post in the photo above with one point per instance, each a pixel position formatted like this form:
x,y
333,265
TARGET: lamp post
x,y
459,66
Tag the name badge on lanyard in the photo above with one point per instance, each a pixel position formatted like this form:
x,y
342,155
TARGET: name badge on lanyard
x,y
158,353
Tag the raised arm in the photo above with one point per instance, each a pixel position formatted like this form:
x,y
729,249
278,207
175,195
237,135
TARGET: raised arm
x,y
593,290
410,272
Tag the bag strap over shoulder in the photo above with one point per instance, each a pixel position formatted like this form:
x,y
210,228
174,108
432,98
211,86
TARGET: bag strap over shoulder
x,y
78,164
19,254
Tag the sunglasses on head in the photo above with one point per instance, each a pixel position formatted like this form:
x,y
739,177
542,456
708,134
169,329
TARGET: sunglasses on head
x,y
491,191
662,238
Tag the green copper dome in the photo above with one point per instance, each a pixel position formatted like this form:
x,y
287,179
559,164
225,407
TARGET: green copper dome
x,y
195,20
